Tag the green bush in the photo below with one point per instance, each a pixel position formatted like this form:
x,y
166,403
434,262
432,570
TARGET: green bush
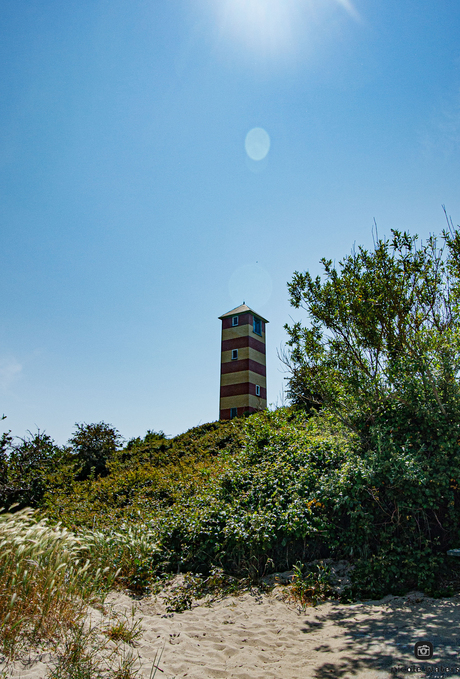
x,y
267,506
93,445
261,494
304,488
24,467
142,479
382,352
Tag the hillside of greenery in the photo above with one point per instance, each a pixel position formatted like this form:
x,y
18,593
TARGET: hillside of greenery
x,y
258,495
364,465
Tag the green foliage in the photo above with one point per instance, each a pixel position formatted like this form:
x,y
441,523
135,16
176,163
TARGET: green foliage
x,y
382,352
258,495
312,583
24,467
383,330
411,478
143,478
179,602
264,506
6,443
93,445
198,443
303,489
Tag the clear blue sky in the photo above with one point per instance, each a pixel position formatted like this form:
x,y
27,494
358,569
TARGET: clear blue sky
x,y
132,216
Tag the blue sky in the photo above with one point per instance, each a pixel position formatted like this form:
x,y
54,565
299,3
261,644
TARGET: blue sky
x,y
131,215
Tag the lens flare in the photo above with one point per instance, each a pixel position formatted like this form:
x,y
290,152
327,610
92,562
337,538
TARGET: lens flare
x,y
257,143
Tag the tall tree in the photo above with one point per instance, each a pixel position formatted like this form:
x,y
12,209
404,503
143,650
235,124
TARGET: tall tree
x,y
383,330
93,445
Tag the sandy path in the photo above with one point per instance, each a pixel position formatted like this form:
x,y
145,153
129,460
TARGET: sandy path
x,y
255,636
259,636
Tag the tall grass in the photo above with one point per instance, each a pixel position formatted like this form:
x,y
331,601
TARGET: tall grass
x,y
45,585
130,550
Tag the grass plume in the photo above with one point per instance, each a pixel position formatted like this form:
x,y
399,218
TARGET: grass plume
x,y
45,585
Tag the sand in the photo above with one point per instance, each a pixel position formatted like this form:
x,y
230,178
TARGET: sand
x,y
261,636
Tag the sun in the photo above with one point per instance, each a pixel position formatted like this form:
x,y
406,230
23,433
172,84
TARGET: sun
x,y
273,26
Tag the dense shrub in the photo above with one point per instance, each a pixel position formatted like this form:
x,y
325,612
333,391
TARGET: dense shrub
x,y
381,350
267,507
93,445
24,466
144,477
304,488
288,488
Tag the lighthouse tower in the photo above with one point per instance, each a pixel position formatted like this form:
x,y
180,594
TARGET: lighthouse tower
x,y
243,381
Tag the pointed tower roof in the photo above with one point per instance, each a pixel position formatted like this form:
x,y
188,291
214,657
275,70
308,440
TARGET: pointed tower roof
x,y
243,309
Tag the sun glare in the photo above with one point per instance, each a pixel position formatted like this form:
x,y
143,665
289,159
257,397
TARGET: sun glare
x,y
346,4
259,23
274,26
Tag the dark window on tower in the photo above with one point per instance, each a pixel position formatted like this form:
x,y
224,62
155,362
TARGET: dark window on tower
x,y
233,413
257,390
234,354
257,326
235,320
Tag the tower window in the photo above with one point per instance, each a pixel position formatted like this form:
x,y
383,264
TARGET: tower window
x,y
234,354
257,326
235,320
233,413
257,390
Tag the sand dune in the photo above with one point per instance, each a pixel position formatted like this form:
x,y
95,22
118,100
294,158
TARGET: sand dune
x,y
261,636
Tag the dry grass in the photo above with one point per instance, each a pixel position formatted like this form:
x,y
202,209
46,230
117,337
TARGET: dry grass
x,y
45,587
49,577
122,627
102,651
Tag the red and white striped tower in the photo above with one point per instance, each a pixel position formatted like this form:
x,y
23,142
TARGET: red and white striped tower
x,y
243,373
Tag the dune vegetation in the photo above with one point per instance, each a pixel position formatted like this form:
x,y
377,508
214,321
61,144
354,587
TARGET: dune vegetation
x,y
362,466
